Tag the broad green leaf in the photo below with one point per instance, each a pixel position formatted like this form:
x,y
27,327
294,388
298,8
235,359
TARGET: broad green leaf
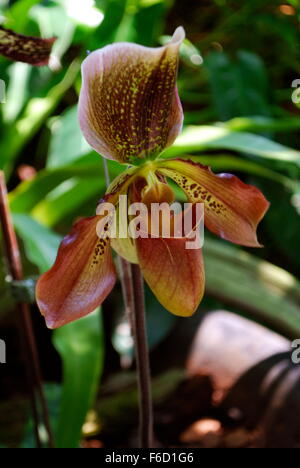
x,y
16,135
279,26
239,86
30,193
264,291
17,15
148,22
114,11
200,138
67,143
81,347
67,198
17,90
231,163
53,21
203,116
40,243
261,124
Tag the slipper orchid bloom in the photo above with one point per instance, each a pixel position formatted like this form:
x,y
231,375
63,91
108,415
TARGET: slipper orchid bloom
x,y
129,111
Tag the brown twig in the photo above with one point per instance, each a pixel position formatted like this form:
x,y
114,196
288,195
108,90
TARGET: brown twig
x,y
14,265
142,360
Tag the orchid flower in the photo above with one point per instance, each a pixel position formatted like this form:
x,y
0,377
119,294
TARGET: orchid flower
x,y
33,50
129,111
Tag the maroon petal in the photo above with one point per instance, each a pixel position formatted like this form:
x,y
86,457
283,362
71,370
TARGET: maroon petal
x,y
28,49
129,107
232,208
81,277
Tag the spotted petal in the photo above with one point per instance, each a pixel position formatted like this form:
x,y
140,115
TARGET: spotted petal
x,y
32,50
174,273
81,277
129,107
233,209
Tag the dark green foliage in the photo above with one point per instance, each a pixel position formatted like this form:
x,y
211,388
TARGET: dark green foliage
x,y
239,117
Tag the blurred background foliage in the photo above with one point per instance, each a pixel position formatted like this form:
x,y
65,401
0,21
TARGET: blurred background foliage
x,y
237,67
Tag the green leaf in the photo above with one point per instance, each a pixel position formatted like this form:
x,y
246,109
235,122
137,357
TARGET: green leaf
x,y
32,192
67,198
17,15
81,347
262,124
148,21
231,163
200,138
53,21
16,135
40,243
266,292
240,86
114,12
17,90
52,392
67,143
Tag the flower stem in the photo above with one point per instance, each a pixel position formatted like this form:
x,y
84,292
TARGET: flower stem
x,y
142,360
133,296
14,266
125,275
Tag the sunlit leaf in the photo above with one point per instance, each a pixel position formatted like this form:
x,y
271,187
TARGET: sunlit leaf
x,y
17,90
114,11
32,192
261,124
68,198
225,162
17,14
200,138
40,243
67,143
37,110
53,20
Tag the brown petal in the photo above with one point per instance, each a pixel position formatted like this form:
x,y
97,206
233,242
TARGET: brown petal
x,y
129,107
233,209
174,273
81,277
28,49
